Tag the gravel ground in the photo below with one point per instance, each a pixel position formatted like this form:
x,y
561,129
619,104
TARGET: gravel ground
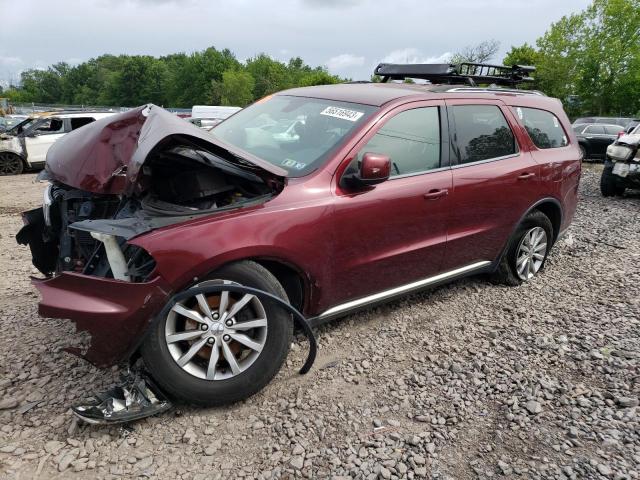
x,y
467,381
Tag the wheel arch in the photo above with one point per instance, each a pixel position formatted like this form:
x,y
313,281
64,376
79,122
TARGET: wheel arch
x,y
550,207
553,210
295,282
22,158
584,144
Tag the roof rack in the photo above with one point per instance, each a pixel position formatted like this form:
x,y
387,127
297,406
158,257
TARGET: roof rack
x,y
465,73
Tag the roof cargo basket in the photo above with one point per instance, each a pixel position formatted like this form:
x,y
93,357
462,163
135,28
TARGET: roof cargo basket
x,y
462,73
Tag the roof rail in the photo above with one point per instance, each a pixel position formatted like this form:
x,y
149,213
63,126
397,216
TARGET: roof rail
x,y
465,73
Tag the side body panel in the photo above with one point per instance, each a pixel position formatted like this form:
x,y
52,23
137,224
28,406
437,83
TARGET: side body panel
x,y
394,233
560,168
489,198
38,146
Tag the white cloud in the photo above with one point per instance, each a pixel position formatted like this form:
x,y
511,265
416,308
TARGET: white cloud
x,y
11,62
413,55
331,3
344,61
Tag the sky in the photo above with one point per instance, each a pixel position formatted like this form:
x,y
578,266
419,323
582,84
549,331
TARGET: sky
x,y
349,37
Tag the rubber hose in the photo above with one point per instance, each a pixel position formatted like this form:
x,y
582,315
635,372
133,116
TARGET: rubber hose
x,y
297,316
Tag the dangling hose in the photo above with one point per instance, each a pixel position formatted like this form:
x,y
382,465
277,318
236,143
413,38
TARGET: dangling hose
x,y
137,397
261,294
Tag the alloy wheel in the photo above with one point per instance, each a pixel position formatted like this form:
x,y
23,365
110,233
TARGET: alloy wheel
x,y
531,252
217,336
10,164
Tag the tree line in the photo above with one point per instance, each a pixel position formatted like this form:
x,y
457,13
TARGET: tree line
x,y
590,60
208,77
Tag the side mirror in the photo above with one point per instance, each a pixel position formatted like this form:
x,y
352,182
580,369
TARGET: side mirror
x,y
375,168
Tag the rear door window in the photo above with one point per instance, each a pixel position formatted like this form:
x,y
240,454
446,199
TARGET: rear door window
x,y
543,127
80,122
481,133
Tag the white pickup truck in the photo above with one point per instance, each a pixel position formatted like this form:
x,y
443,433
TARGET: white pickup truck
x,y
25,145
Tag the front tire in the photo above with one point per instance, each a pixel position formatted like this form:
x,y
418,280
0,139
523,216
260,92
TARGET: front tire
x,y
227,360
10,164
609,186
527,250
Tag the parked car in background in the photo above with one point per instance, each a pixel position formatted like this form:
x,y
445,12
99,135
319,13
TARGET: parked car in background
x,y
622,121
594,138
363,193
622,165
25,145
9,121
633,127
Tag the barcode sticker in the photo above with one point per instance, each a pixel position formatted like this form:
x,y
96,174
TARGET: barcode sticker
x,y
343,113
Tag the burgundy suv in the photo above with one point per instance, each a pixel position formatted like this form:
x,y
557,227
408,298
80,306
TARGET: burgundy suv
x,y
334,198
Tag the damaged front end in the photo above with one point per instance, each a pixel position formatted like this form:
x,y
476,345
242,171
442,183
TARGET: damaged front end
x,y
623,157
114,180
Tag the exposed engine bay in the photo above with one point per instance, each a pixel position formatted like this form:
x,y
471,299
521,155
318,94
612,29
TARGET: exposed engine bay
x,y
86,232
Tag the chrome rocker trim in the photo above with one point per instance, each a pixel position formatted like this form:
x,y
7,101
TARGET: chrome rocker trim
x,y
344,308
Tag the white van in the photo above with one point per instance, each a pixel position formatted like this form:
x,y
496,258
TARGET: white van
x,y
25,145
214,112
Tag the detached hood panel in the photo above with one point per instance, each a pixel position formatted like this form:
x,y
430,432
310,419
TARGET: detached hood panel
x,y
95,157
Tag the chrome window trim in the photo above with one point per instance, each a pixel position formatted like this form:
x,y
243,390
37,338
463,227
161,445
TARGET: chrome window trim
x,y
422,172
386,294
488,160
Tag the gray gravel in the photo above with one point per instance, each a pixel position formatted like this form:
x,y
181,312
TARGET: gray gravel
x,y
468,381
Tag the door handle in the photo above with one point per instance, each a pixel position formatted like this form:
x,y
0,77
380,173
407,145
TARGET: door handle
x,y
526,176
436,193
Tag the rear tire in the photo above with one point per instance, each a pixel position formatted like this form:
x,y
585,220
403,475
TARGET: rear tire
x,y
609,186
10,164
179,383
507,272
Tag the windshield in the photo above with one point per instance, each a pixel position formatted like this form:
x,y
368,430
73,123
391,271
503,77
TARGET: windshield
x,y
294,133
21,127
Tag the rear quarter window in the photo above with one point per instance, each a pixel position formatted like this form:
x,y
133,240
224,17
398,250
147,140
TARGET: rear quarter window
x,y
543,127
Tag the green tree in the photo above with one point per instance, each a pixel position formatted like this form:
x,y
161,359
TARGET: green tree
x,y
318,77
269,75
177,80
525,54
236,88
594,57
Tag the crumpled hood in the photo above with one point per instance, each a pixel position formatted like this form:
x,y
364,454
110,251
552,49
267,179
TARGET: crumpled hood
x,y
106,155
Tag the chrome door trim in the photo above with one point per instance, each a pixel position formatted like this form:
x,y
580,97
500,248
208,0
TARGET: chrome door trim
x,y
376,297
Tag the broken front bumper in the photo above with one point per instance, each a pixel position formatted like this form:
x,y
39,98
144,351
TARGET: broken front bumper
x,y
115,313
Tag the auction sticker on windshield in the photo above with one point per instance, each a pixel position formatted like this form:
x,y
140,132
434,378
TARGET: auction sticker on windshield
x,y
343,113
